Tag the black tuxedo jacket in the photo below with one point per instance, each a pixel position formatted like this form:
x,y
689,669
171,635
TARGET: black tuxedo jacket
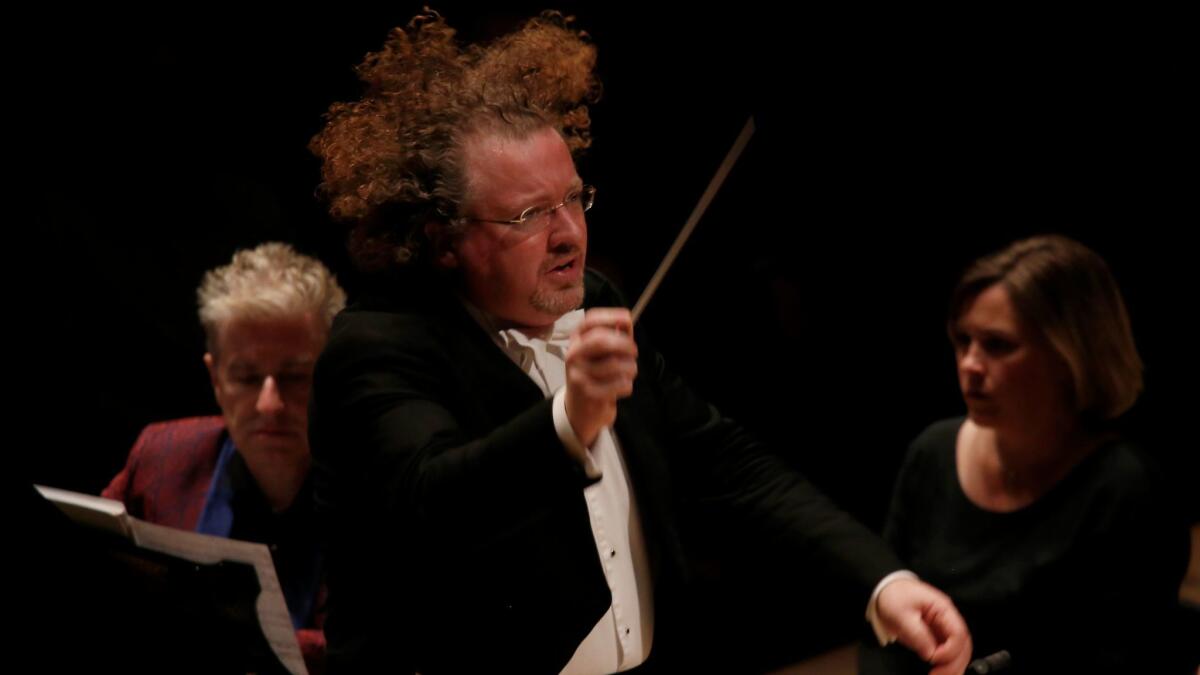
x,y
459,538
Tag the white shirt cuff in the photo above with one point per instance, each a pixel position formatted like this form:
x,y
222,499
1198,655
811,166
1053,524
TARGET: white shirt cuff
x,y
566,434
884,636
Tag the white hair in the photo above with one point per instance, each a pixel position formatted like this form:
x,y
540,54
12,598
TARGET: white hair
x,y
271,280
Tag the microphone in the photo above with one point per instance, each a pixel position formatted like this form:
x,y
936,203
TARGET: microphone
x,y
993,663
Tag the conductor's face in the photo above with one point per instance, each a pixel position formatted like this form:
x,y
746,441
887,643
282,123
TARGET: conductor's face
x,y
525,273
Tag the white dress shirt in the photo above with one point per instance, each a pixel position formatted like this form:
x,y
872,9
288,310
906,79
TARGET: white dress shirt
x,y
622,638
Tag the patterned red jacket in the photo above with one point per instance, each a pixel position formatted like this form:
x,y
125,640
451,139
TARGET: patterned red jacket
x,y
165,480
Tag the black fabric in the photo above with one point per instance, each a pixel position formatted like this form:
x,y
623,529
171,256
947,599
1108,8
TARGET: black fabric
x,y
289,535
459,538
1084,580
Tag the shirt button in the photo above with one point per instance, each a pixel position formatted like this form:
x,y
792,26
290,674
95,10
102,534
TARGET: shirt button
x,y
612,553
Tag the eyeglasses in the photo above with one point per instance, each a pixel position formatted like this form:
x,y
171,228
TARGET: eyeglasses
x,y
537,218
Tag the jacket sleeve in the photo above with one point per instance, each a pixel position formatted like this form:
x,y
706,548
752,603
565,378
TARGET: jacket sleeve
x,y
121,486
742,484
387,417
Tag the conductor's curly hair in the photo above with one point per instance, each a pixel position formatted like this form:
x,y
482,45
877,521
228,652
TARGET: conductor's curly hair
x,y
392,161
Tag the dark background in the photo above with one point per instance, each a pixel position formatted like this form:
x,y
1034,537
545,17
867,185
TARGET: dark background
x,y
891,150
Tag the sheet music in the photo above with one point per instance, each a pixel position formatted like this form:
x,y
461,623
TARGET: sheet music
x,y
110,516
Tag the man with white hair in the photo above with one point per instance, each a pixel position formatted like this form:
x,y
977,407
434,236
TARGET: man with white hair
x,y
245,474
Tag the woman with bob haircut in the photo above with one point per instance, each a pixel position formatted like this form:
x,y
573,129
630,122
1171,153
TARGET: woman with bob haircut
x,y
1051,532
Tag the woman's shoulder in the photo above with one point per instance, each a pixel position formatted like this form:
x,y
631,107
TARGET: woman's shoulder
x,y
1121,470
937,438
930,458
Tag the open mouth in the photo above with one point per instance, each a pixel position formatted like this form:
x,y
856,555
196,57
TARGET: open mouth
x,y
564,267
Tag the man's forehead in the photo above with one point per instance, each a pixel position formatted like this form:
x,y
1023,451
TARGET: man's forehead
x,y
268,362
267,356
289,337
269,324
513,169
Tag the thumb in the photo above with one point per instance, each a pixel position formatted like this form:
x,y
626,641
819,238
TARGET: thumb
x,y
913,632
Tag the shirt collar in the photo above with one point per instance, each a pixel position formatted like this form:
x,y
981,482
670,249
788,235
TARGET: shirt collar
x,y
512,339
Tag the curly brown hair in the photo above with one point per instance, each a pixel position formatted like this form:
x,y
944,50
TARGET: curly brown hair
x,y
392,161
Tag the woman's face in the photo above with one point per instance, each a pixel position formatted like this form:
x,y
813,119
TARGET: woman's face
x,y
1010,376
